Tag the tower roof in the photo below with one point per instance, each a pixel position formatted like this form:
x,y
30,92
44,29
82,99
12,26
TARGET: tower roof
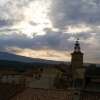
x,y
77,46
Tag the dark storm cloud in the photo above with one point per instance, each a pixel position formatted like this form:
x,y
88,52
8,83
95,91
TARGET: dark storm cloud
x,y
52,40
66,12
15,40
4,23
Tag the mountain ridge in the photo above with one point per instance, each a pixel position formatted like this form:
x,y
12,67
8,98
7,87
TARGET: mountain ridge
x,y
13,57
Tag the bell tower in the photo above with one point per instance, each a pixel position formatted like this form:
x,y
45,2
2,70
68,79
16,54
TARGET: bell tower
x,y
78,71
77,56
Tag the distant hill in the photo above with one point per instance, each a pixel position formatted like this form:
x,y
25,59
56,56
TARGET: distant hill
x,y
9,60
14,57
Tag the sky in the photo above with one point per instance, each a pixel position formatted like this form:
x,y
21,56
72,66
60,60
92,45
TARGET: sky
x,y
48,29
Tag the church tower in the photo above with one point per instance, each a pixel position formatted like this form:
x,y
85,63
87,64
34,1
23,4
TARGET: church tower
x,y
78,71
77,56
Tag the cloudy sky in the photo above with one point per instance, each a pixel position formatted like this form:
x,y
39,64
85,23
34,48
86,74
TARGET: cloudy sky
x,y
48,28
